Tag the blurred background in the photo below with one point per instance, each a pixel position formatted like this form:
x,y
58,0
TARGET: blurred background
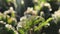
x,y
29,16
